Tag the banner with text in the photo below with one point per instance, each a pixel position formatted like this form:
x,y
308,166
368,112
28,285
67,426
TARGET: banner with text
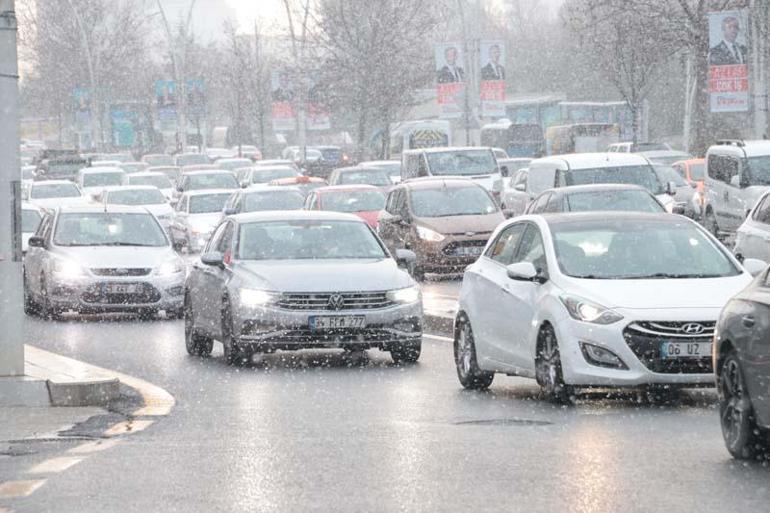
x,y
318,114
282,91
492,87
450,79
728,82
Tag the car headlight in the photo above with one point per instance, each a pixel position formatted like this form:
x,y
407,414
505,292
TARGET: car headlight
x,y
583,310
405,296
170,266
256,297
428,234
68,268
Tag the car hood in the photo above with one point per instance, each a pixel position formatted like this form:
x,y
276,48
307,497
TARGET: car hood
x,y
323,276
116,256
51,203
662,294
204,223
161,209
463,224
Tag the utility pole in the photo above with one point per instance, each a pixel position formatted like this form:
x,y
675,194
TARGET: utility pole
x,y
96,112
11,297
759,19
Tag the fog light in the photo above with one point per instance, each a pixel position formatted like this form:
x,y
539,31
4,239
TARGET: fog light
x,y
601,357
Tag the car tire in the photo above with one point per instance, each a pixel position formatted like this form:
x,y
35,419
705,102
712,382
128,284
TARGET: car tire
x,y
743,438
233,352
710,223
196,344
548,369
406,353
31,307
468,372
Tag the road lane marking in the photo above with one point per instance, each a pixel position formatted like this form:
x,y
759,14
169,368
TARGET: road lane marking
x,y
439,337
95,446
14,489
53,465
127,426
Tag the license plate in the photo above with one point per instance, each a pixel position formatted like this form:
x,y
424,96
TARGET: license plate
x,y
675,350
330,322
468,250
121,288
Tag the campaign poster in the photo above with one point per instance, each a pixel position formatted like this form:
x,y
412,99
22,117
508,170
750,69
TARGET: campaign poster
x,y
450,79
82,99
492,86
282,93
165,99
196,97
318,113
728,82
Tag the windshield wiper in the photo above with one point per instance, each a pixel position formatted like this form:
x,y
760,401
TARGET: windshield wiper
x,y
676,276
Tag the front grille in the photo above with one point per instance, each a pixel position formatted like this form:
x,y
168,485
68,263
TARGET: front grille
x,y
121,271
644,338
372,334
323,301
145,294
458,248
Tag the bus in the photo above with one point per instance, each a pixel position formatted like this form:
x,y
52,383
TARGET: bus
x,y
415,135
518,140
581,138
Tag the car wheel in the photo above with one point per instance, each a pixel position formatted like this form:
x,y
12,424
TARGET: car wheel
x,y
232,351
468,372
31,307
711,223
406,353
548,370
743,438
196,344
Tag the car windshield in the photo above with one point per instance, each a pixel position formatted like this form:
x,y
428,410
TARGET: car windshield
x,y
639,249
669,174
211,181
172,173
452,201
191,159
268,175
100,179
462,162
108,229
353,201
160,181
308,240
759,170
631,201
365,177
59,190
207,203
159,160
30,219
698,171
136,197
643,176
272,200
234,164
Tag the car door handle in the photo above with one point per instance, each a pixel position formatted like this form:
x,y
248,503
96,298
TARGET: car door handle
x,y
748,321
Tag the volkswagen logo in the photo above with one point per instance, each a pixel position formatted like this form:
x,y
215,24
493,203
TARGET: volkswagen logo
x,y
336,302
693,328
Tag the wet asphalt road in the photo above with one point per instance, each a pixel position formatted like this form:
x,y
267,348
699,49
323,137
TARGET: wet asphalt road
x,y
318,432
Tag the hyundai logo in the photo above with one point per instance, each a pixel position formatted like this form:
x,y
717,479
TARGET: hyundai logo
x,y
693,328
336,302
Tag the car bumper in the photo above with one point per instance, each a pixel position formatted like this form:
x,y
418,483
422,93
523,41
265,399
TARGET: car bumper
x,y
290,329
91,294
450,255
640,352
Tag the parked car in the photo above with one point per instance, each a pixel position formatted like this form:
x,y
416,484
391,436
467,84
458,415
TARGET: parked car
x,y
92,180
247,292
30,220
737,173
446,222
586,299
158,159
54,193
260,198
102,259
155,179
741,356
360,176
365,201
752,240
190,159
264,174
147,196
196,215
594,198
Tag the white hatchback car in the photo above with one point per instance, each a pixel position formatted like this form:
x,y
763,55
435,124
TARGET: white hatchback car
x,y
586,299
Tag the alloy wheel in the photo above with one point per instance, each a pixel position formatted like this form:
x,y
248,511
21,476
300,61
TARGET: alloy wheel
x,y
735,407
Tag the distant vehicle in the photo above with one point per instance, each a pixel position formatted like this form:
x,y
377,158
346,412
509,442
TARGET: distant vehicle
x,y
415,135
365,201
350,293
260,198
248,151
265,174
28,172
305,184
190,159
197,213
105,163
158,159
360,176
446,222
331,157
682,191
215,154
172,172
476,163
277,162
692,170
59,164
147,196
102,259
121,157
155,179
586,299
30,220
742,374
510,172
737,173
54,193
134,167
214,179
630,147
391,167
516,140
91,180
665,157
515,198
199,167
580,138
231,164
595,198
752,240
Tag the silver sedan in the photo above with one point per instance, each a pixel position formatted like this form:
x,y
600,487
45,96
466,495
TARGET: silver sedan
x,y
301,279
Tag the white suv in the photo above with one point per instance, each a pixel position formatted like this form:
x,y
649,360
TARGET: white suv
x,y
737,173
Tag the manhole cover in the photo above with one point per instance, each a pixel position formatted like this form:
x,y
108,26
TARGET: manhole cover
x,y
503,422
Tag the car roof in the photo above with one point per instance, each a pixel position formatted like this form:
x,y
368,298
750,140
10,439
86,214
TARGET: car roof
x,y
268,189
26,205
273,168
593,160
146,173
300,180
577,189
296,215
206,192
101,169
367,163
434,182
208,172
663,153
347,188
233,159
690,162
112,188
443,149
578,218
109,208
53,182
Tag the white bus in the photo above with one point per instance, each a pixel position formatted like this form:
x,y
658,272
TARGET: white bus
x,y
415,135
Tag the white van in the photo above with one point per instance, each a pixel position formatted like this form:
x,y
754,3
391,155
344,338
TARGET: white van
x,y
476,163
424,133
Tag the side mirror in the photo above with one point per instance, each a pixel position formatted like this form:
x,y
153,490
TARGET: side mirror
x,y
753,266
504,171
670,188
36,242
214,259
230,211
405,258
523,271
508,213
521,187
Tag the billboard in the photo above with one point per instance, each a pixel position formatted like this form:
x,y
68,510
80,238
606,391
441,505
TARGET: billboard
x,y
450,79
728,57
318,114
492,87
82,100
196,97
282,93
165,99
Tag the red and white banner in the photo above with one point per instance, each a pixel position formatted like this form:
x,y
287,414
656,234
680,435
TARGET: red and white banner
x,y
728,82
450,79
282,112
492,86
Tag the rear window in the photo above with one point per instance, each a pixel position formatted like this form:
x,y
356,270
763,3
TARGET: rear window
x,y
59,190
273,200
207,204
211,181
643,176
614,200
